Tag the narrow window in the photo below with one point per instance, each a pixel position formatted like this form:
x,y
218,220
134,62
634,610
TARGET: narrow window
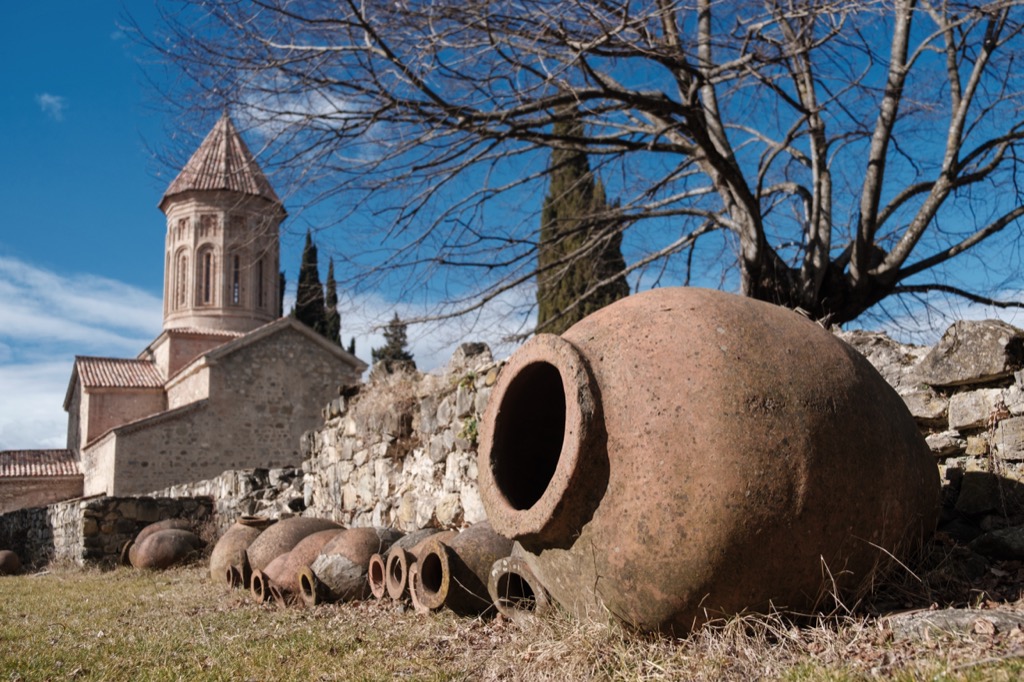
x,y
207,277
236,280
260,302
179,283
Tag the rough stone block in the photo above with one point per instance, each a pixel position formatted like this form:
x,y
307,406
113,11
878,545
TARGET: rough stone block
x,y
946,444
979,493
973,352
926,405
448,508
1010,438
977,446
973,409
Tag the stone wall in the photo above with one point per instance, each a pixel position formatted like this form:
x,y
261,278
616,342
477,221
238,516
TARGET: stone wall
x,y
90,531
967,396
402,452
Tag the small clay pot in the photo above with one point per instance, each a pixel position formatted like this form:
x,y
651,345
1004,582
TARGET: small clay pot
x,y
282,537
164,548
166,524
230,550
454,574
264,585
403,555
302,555
10,564
339,572
376,574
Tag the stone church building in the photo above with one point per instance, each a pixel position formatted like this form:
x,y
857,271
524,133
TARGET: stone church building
x,y
228,384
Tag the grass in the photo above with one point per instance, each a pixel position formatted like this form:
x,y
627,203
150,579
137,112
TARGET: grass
x,y
70,624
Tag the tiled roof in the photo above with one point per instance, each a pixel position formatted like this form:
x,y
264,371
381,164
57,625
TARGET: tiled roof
x,y
117,373
205,332
223,162
37,463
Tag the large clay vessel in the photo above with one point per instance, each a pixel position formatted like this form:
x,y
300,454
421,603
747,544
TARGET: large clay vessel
x,y
454,573
377,571
339,572
128,549
282,537
164,548
686,454
229,552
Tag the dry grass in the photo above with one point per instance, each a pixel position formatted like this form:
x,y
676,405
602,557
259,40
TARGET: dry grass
x,y
175,625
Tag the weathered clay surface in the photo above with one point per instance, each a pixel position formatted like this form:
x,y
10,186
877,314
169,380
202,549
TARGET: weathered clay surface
x,y
166,524
454,573
230,548
973,352
282,537
164,548
302,555
685,454
341,567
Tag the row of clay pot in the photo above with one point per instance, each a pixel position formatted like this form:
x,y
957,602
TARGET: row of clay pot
x,y
311,561
161,545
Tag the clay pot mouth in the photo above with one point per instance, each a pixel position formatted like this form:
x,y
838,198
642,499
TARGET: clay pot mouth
x,y
308,586
397,576
376,573
540,419
434,576
515,590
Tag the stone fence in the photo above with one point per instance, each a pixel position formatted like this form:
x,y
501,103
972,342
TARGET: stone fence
x,y
91,530
401,450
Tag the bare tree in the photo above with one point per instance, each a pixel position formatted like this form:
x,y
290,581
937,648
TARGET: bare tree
x,y
819,154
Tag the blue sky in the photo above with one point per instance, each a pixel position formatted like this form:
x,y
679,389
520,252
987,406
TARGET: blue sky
x,y
81,238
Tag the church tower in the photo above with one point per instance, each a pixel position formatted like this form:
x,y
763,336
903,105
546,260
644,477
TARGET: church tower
x,y
221,261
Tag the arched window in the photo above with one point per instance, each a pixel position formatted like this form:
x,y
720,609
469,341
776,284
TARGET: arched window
x,y
205,276
236,279
261,296
181,280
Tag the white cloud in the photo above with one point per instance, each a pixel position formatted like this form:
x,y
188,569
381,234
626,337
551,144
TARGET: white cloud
x,y
52,105
46,319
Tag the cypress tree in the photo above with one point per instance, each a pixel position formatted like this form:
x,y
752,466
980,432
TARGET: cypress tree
x,y
309,297
332,320
569,261
394,353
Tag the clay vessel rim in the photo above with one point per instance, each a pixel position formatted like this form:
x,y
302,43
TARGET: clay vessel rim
x,y
511,520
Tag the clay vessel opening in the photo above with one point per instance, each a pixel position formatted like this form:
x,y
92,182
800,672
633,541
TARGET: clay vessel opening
x,y
528,434
431,574
515,592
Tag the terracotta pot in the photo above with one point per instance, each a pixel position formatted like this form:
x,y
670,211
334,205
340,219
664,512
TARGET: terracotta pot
x,y
164,548
454,573
414,589
302,555
230,550
403,555
686,454
166,524
282,537
339,572
10,564
264,585
376,572
514,588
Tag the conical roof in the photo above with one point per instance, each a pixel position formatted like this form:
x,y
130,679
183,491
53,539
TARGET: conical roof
x,y
222,162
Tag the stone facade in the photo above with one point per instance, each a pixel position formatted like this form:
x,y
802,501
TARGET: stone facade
x,y
244,405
